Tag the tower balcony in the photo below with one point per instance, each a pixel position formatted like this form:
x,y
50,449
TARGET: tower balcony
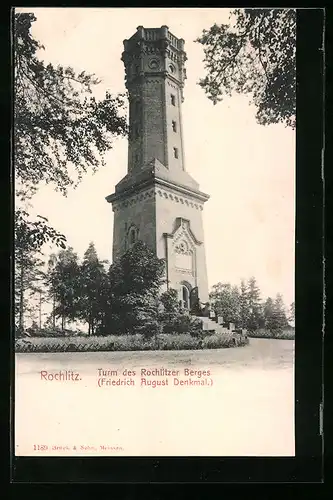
x,y
154,35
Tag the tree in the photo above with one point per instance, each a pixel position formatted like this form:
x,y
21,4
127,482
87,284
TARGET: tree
x,y
29,237
63,280
138,271
51,265
243,305
60,130
291,317
135,280
57,123
225,301
268,314
42,299
29,272
91,288
279,318
235,297
254,320
169,300
33,234
254,54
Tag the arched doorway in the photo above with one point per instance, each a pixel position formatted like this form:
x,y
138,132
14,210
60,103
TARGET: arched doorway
x,y
185,295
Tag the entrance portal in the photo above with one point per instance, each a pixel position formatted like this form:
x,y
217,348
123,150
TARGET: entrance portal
x,y
186,296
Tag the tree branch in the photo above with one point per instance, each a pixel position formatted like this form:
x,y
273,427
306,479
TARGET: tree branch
x,y
259,47
235,55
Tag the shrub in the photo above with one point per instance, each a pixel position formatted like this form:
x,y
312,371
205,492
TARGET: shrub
x,y
169,300
134,342
50,332
227,340
287,334
150,329
181,323
177,342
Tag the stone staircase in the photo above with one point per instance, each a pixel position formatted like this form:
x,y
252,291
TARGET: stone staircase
x,y
209,324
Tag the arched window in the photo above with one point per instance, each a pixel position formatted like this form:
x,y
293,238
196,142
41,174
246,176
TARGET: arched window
x,y
132,237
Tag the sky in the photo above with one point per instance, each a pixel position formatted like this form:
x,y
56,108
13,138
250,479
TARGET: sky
x,y
247,169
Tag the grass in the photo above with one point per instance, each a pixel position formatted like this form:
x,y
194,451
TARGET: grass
x,y
163,342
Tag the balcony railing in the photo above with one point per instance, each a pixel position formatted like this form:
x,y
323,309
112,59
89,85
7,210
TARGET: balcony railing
x,y
151,34
154,34
173,40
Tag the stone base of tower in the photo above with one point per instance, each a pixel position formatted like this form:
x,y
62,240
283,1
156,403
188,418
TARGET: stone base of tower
x,y
168,218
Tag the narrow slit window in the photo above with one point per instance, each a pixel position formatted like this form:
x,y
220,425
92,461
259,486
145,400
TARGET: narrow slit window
x,y
175,152
174,126
173,100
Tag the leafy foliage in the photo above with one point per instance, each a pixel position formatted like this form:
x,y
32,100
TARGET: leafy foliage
x,y
136,342
255,318
268,313
243,306
63,281
127,298
29,237
225,301
279,319
182,323
29,273
116,300
57,123
60,129
291,317
135,280
169,300
137,271
254,54
92,289
275,315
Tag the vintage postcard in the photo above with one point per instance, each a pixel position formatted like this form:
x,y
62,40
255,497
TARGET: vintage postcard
x,y
154,165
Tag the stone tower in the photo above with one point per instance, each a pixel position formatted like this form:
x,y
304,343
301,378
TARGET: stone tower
x,y
157,201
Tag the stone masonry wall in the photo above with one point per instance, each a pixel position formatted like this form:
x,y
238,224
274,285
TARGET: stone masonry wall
x,y
173,114
154,212
138,210
153,128
169,206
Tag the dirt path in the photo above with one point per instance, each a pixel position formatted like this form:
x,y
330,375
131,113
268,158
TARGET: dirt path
x,y
260,353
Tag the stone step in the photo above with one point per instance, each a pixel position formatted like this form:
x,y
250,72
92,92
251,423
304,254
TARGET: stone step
x,y
209,324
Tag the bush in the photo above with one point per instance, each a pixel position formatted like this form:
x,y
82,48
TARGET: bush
x,y
287,334
169,300
48,332
134,342
181,323
150,330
